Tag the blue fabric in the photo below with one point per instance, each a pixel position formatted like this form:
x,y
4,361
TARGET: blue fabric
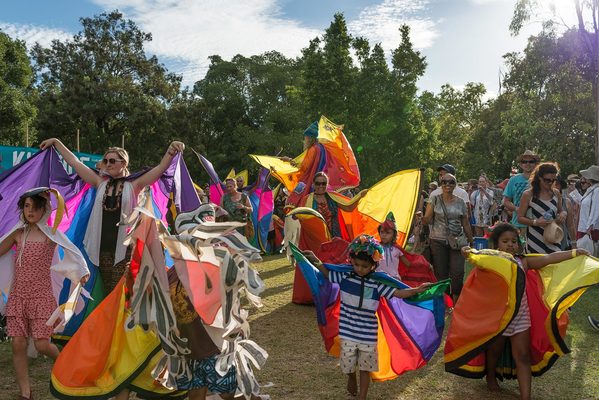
x,y
513,191
204,375
312,130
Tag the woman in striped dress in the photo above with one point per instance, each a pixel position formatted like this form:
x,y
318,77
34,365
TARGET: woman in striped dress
x,y
539,206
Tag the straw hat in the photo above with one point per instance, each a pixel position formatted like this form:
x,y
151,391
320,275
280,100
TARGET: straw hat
x,y
591,172
529,153
553,233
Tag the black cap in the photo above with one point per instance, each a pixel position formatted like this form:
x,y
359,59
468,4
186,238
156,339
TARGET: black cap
x,y
447,167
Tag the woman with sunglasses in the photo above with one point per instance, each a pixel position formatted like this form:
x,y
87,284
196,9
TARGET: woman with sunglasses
x,y
116,196
447,215
539,207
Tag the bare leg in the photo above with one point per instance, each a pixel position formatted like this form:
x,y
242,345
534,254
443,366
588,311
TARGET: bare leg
x,y
492,355
352,384
521,353
199,394
364,383
21,364
123,395
47,348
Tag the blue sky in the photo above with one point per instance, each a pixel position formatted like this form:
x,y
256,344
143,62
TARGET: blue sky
x,y
463,40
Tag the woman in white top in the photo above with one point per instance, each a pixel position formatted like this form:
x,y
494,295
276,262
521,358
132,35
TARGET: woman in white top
x,y
588,217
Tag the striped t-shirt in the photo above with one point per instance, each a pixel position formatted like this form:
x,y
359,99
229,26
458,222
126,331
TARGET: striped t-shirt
x,y
359,302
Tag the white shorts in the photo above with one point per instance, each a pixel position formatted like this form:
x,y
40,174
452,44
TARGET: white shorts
x,y
352,353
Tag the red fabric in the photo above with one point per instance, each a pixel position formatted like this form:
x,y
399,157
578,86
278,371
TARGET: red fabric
x,y
307,170
334,252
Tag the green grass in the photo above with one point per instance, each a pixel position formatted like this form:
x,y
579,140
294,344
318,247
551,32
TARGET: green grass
x,y
300,369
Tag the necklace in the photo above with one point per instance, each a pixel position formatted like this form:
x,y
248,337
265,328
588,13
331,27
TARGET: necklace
x,y
112,202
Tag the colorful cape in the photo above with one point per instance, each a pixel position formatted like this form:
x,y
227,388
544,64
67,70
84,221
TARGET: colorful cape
x,y
410,330
46,169
491,299
259,194
363,213
332,155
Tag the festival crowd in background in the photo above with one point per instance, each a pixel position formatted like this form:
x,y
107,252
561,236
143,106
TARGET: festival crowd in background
x,y
147,269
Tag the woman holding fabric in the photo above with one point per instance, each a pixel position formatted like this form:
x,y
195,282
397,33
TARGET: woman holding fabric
x,y
115,198
541,209
447,215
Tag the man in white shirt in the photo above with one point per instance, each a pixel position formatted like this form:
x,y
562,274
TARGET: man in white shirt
x,y
458,191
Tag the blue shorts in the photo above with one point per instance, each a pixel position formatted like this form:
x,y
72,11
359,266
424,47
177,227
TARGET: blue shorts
x,y
204,375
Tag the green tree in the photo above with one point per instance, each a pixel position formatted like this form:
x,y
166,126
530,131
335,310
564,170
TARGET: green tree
x,y
16,108
102,83
584,37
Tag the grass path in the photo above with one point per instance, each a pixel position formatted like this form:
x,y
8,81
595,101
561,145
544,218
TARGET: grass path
x,y
300,369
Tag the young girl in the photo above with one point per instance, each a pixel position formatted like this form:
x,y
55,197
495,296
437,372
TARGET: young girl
x,y
31,301
393,253
505,238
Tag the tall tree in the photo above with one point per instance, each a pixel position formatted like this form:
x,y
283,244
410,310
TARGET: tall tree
x,y
587,27
16,107
103,84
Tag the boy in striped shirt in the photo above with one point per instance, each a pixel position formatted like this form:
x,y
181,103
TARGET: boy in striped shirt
x,y
360,295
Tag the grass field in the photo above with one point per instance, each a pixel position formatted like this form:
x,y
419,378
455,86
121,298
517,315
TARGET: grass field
x,y
299,368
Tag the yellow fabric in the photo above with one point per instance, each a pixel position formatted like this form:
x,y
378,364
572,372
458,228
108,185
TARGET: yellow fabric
x,y
60,209
245,175
398,193
565,282
129,349
281,170
231,174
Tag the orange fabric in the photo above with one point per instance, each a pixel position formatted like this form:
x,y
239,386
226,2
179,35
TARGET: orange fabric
x,y
96,340
307,169
481,308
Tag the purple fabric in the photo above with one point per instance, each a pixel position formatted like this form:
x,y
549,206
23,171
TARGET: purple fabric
x,y
42,169
418,324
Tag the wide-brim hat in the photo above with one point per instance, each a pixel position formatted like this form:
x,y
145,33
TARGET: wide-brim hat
x,y
591,172
529,153
553,233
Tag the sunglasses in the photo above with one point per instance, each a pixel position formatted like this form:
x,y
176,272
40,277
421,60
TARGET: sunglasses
x,y
528,161
111,160
572,182
320,183
549,181
448,182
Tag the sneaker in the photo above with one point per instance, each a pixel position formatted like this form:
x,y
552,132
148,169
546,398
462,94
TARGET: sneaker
x,y
594,323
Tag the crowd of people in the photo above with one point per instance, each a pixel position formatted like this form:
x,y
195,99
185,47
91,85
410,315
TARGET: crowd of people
x,y
534,211
552,212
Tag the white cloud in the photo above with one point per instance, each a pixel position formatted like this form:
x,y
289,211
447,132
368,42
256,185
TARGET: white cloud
x,y
32,34
189,31
380,23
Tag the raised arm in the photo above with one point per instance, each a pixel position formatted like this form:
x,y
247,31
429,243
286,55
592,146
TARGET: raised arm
x,y
537,262
154,174
403,293
84,172
317,263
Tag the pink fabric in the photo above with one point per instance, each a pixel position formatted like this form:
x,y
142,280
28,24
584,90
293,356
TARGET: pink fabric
x,y
31,300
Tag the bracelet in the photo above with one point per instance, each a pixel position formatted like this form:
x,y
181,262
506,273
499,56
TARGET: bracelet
x,y
573,253
534,222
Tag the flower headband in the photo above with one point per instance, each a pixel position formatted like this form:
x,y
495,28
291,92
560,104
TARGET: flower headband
x,y
369,245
